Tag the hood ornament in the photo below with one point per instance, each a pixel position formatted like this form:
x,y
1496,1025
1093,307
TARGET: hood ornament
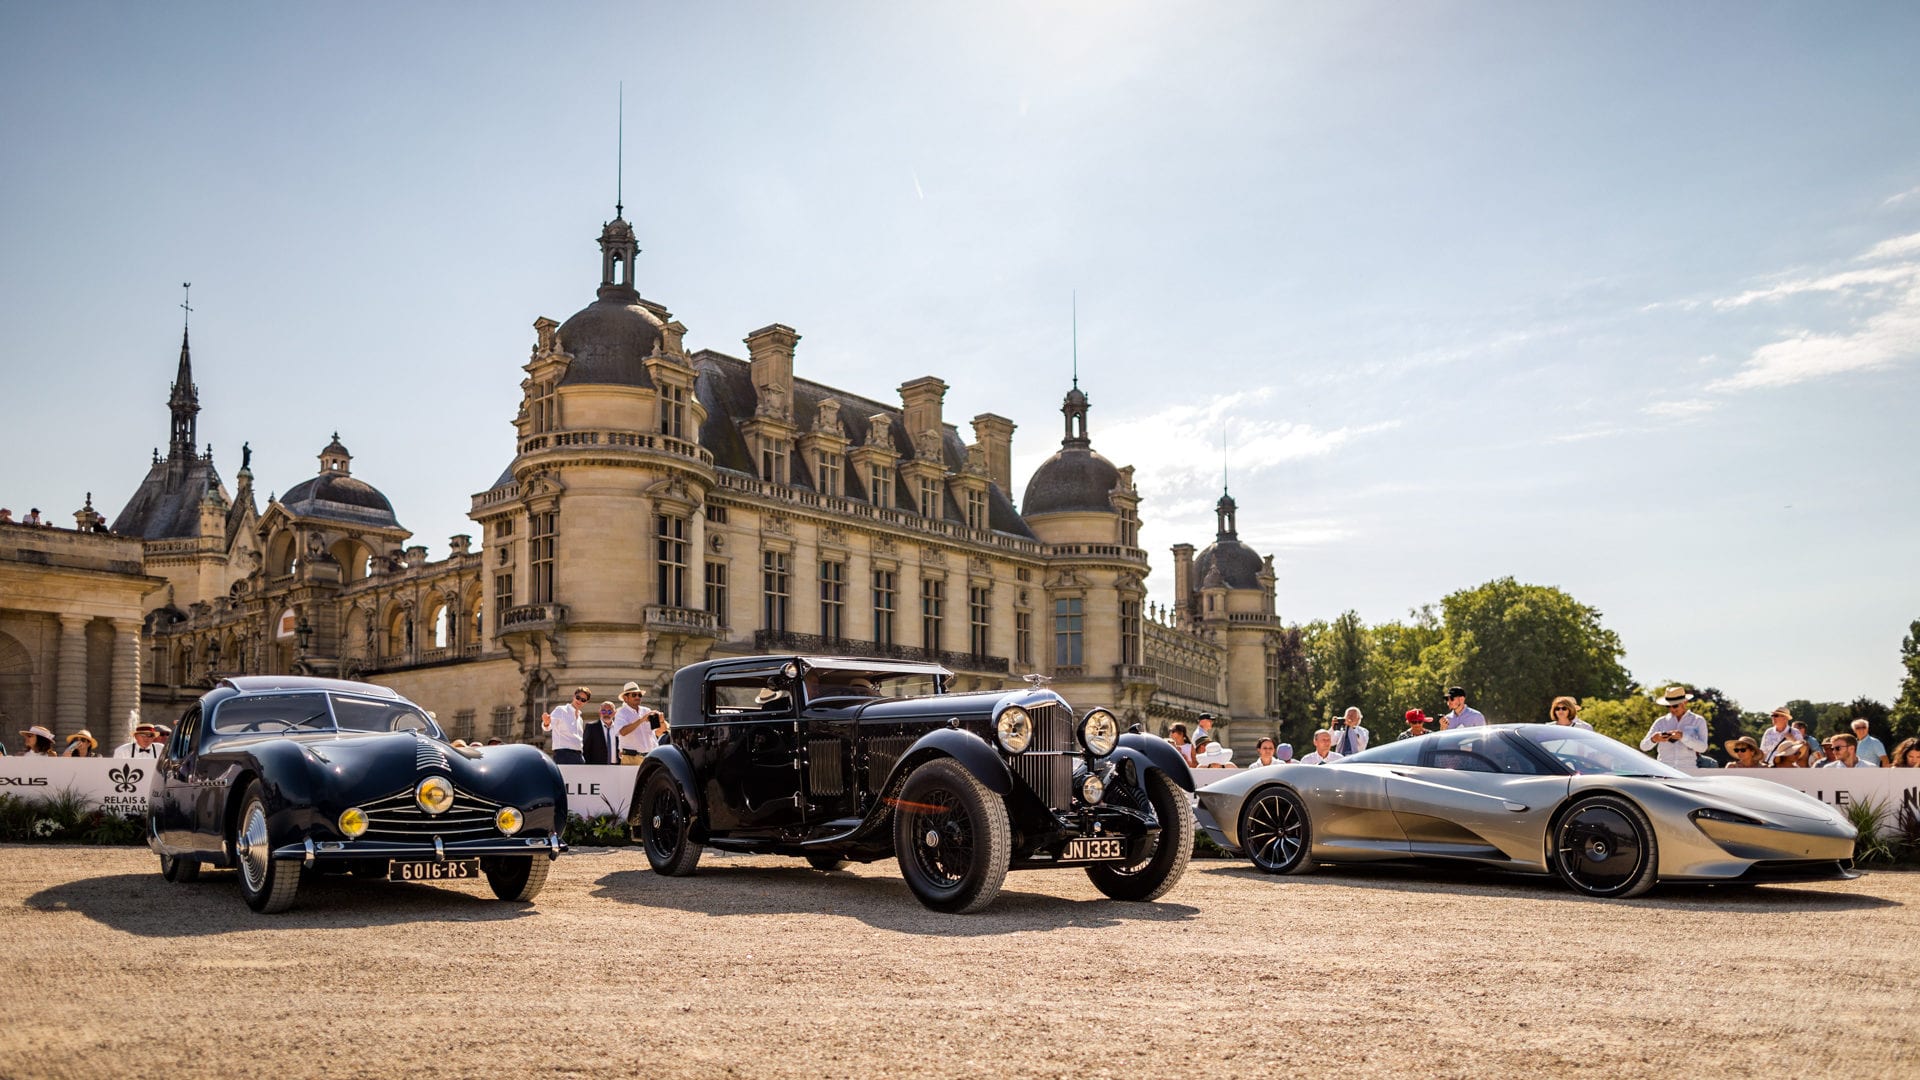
x,y
1037,680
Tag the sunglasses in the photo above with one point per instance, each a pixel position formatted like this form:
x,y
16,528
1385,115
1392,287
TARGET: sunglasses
x,y
1745,750
1561,708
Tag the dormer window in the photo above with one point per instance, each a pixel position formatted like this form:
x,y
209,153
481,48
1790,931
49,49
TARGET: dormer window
x,y
673,412
773,460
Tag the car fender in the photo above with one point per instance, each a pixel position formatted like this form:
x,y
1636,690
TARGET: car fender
x,y
674,760
970,750
1153,752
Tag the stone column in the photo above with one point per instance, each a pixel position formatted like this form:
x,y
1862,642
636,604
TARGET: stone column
x,y
126,682
70,704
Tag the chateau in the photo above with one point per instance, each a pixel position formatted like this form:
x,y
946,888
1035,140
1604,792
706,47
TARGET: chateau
x,y
659,506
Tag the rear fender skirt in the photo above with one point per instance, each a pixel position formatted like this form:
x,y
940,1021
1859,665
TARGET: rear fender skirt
x,y
1153,752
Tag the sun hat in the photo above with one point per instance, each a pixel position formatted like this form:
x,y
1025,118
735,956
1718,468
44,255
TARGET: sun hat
x,y
38,730
631,688
87,736
1744,742
1675,695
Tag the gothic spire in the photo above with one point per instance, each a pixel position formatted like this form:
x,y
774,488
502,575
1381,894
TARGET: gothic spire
x,y
184,404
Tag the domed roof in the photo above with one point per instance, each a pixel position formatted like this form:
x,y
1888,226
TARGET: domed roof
x,y
1237,564
610,339
342,498
1074,478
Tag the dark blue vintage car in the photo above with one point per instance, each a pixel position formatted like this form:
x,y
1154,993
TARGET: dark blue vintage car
x,y
275,775
844,758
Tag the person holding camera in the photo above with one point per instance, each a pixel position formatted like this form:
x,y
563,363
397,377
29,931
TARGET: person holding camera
x,y
1679,738
637,726
1348,735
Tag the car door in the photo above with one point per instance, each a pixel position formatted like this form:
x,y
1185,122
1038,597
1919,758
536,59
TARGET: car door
x,y
1475,795
172,808
754,730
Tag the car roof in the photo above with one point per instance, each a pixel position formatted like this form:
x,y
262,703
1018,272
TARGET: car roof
x,y
835,663
250,684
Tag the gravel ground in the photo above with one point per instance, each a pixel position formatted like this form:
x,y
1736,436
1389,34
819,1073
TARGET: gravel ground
x,y
759,966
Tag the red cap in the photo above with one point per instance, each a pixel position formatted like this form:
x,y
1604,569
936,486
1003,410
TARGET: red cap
x,y
1415,716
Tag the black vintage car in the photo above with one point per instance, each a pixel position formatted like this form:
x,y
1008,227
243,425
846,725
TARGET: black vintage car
x,y
834,759
273,775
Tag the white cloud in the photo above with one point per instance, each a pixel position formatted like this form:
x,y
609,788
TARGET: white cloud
x,y
1881,340
1680,410
1893,200
1845,281
1897,248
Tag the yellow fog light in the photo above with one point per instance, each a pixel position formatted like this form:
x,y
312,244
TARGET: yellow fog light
x,y
434,795
509,820
353,822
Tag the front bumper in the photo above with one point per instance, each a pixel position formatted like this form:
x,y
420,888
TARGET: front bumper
x,y
310,851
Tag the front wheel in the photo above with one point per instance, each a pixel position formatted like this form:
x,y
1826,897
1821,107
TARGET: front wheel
x,y
1604,847
666,826
178,869
516,877
951,837
1151,877
267,884
1276,832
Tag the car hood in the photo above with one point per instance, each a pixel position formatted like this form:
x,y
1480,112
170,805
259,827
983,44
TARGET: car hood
x,y
391,760
1755,796
970,703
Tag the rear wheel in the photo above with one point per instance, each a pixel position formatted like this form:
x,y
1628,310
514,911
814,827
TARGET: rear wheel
x,y
1151,877
1604,847
516,877
267,884
666,826
1276,833
179,869
951,837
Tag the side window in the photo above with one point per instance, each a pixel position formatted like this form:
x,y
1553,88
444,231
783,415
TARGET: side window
x,y
1477,750
748,696
185,734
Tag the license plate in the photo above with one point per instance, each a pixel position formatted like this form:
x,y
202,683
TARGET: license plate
x,y
428,870
1093,849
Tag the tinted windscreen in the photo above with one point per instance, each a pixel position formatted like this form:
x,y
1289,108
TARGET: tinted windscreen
x,y
273,712
373,714
1589,753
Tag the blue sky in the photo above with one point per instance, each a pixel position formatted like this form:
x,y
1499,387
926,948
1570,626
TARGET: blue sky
x,y
1622,299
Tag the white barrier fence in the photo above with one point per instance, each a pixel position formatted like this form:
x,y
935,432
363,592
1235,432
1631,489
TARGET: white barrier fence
x,y
121,785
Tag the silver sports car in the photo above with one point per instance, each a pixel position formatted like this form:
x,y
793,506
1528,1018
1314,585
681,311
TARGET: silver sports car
x,y
1539,798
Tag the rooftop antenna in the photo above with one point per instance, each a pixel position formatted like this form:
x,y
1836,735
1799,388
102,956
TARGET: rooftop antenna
x,y
186,303
1076,339
620,164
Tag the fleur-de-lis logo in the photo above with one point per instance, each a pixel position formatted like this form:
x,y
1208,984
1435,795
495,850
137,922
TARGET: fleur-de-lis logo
x,y
125,779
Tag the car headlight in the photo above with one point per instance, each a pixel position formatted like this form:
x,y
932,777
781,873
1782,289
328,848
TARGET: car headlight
x,y
1728,816
353,822
509,820
1099,732
1092,790
434,795
1016,729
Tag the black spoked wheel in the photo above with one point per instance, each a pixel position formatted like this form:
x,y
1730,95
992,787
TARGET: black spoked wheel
x,y
1604,847
951,837
666,826
516,877
1276,833
267,884
1166,859
826,862
178,869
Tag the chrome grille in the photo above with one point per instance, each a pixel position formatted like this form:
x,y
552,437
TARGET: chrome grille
x,y
1052,727
398,818
1049,776
428,755
823,767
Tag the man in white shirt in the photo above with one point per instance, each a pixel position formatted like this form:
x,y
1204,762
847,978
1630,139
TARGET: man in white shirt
x,y
1352,738
145,743
1203,725
1771,738
634,723
1323,751
568,731
1871,750
1680,737
1459,713
1846,754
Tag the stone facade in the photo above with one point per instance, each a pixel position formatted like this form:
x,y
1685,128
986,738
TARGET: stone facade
x,y
662,505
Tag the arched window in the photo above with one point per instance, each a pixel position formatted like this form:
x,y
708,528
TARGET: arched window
x,y
281,554
399,633
442,631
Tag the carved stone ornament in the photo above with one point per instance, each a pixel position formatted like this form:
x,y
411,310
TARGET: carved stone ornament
x,y
932,556
827,420
1129,583
929,447
833,536
774,523
548,334
540,482
980,565
1067,579
773,403
885,546
880,431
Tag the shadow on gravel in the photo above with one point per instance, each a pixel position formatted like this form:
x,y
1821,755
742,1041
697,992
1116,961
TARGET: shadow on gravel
x,y
144,904
1759,899
880,902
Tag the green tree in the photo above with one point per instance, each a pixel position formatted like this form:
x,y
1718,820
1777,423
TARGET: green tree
x,y
1626,718
1346,668
1413,666
1293,712
1515,647
1903,722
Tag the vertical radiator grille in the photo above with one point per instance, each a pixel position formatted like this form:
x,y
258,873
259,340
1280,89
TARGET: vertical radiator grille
x,y
824,772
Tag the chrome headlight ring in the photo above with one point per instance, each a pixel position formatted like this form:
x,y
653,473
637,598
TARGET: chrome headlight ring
x,y
1015,729
1099,732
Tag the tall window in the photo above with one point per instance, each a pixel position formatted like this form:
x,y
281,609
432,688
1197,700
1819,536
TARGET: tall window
x,y
1023,637
933,604
717,591
673,411
1273,682
463,724
1130,631
833,600
670,548
930,495
976,509
979,610
886,600
773,460
1069,628
880,485
543,407
540,554
826,468
1129,527
773,588
502,596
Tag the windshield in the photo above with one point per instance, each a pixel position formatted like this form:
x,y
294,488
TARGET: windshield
x,y
306,712
835,685
1589,753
